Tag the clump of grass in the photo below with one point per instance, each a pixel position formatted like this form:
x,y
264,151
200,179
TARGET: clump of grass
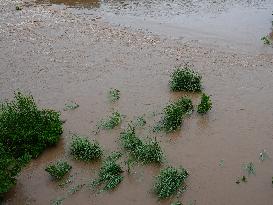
x,y
250,168
139,121
59,169
71,106
169,181
146,152
266,40
114,94
205,104
26,131
185,79
174,112
111,122
82,149
110,173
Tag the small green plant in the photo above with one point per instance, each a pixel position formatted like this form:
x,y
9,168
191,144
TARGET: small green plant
x,y
71,106
176,203
82,149
205,104
266,40
58,170
139,122
174,112
111,122
18,8
250,168
169,181
185,79
146,152
114,94
110,173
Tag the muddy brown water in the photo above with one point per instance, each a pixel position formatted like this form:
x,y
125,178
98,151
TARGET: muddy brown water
x,y
61,56
231,24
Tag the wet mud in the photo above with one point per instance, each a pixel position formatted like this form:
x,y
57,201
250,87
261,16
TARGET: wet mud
x,y
59,55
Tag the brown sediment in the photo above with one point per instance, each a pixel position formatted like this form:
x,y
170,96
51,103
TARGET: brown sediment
x,y
59,57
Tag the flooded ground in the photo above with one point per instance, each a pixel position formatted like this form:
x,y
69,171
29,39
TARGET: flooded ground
x,y
231,24
60,55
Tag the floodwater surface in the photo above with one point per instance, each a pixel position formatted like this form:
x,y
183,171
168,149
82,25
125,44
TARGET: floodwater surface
x,y
230,24
60,55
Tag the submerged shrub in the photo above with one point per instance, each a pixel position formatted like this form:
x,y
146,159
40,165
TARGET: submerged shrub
x,y
174,112
205,104
109,173
146,152
185,79
26,131
169,180
58,170
111,122
114,94
82,149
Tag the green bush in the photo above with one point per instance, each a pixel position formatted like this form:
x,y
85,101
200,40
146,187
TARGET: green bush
x,y
25,132
109,173
146,152
185,79
169,180
10,167
58,170
205,104
174,112
83,149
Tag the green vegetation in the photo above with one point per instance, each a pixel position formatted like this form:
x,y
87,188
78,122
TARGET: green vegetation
x,y
250,168
25,132
176,203
58,170
146,152
114,94
205,104
111,122
139,122
174,112
71,106
266,40
82,149
110,173
169,181
18,8
185,79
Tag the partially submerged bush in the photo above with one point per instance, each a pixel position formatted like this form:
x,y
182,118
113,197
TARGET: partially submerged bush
x,y
82,149
59,169
25,132
10,167
110,173
185,79
114,94
174,112
169,181
111,122
146,152
25,129
205,104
